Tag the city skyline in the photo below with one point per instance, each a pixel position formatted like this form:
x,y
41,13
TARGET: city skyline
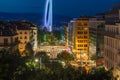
x,y
61,7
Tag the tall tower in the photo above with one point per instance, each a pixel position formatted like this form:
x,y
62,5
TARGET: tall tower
x,y
48,15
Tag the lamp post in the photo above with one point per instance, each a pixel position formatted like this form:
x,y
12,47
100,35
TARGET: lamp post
x,y
40,62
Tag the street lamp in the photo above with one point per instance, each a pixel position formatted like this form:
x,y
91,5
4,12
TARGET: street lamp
x,y
36,60
39,61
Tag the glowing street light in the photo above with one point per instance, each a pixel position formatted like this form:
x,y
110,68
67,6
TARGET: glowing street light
x,y
36,60
40,62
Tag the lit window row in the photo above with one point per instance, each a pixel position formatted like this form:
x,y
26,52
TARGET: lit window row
x,y
81,37
82,41
22,37
85,45
22,32
85,32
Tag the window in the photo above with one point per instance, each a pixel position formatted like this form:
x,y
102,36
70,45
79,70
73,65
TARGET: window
x,y
85,41
80,45
25,37
16,39
20,37
79,24
20,32
79,28
5,41
85,24
80,41
80,49
80,32
80,37
25,32
85,45
85,36
85,32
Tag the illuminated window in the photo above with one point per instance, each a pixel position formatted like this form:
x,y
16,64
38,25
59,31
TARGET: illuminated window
x,y
85,36
80,32
80,37
80,49
85,41
85,45
80,41
80,45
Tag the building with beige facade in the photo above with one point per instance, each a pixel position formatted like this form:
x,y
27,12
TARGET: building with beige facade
x,y
112,46
27,33
24,32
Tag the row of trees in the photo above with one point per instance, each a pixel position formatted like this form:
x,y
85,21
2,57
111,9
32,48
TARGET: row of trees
x,y
50,38
15,67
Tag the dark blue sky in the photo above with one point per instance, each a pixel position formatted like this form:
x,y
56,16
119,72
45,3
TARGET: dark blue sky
x,y
62,7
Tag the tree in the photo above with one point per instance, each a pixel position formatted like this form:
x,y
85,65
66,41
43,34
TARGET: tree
x,y
11,65
65,56
93,57
29,50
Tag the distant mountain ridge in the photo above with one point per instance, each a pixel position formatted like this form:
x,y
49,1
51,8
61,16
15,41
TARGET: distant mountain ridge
x,y
36,18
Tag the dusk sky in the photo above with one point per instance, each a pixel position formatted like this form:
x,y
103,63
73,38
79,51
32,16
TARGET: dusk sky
x,y
61,7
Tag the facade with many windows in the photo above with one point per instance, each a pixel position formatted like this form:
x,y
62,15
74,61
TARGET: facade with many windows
x,y
97,27
23,38
8,37
112,46
79,40
27,33
22,32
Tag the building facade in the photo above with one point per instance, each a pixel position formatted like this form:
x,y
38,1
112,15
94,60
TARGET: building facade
x,y
23,38
97,27
112,46
8,37
79,38
22,32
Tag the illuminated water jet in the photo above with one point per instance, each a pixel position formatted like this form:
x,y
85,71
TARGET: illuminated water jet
x,y
48,17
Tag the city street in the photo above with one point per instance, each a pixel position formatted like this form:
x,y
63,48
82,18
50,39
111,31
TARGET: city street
x,y
53,50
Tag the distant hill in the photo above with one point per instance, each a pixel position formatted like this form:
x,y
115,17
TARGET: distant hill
x,y
36,18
